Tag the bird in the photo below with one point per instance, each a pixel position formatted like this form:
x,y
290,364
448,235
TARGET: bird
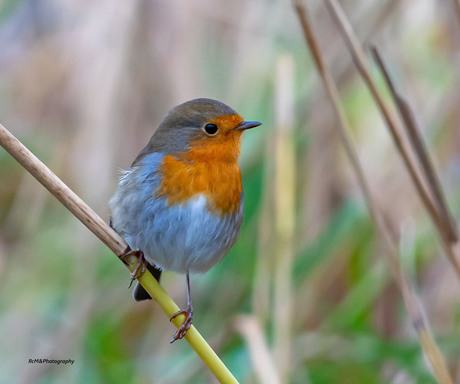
x,y
179,206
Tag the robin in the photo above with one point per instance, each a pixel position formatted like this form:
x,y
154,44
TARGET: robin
x,y
180,205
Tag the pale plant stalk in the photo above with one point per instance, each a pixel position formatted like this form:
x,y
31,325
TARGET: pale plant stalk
x,y
333,94
115,243
456,5
448,225
262,277
264,263
413,306
264,368
393,125
284,215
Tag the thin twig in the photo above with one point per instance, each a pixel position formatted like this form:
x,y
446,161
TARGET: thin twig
x,y
361,63
388,239
413,306
416,140
343,124
113,241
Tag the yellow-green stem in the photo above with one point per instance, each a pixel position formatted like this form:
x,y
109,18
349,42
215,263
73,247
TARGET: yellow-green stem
x,y
113,241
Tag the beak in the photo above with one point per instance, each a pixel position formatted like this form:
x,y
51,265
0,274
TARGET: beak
x,y
247,125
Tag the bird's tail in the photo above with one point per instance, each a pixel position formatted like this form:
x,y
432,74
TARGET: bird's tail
x,y
139,293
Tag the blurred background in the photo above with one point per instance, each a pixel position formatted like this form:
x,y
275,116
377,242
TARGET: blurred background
x,y
306,295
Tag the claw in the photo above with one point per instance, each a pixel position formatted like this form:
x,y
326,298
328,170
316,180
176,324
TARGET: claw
x,y
188,312
141,264
182,331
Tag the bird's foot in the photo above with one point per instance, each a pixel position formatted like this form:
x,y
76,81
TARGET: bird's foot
x,y
182,331
141,264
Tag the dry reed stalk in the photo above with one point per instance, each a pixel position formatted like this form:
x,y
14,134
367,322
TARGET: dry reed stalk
x,y
263,269
418,179
114,242
333,94
343,127
419,147
413,306
262,361
456,5
284,215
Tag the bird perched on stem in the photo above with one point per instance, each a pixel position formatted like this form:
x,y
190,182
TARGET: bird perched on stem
x,y
180,205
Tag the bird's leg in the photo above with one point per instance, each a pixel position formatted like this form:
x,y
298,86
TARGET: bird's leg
x,y
141,264
188,312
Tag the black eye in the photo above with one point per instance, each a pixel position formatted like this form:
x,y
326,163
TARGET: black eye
x,y
211,129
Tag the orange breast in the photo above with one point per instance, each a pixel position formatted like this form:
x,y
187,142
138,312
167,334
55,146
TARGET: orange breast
x,y
209,168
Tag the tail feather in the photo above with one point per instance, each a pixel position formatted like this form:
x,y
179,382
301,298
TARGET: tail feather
x,y
139,293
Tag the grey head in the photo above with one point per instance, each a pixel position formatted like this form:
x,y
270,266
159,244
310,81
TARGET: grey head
x,y
183,124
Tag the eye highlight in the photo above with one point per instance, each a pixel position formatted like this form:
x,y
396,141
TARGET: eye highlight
x,y
211,129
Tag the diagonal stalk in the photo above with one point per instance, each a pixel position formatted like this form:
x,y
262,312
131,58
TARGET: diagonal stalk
x,y
413,306
117,245
448,225
418,179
